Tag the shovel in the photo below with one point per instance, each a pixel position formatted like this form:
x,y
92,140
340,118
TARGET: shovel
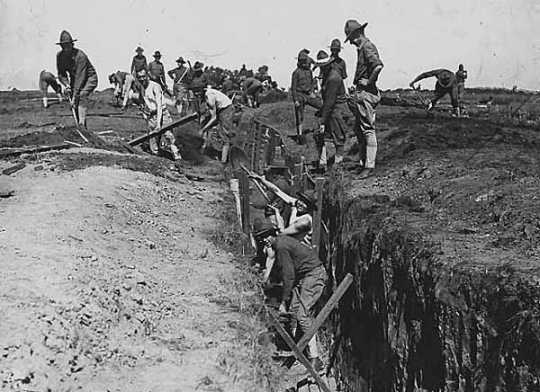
x,y
76,118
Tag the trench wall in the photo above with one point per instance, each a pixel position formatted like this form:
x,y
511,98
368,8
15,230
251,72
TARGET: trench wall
x,y
410,322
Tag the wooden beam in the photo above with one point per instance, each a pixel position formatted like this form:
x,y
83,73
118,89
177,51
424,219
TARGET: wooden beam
x,y
317,216
177,123
290,342
325,311
33,150
244,200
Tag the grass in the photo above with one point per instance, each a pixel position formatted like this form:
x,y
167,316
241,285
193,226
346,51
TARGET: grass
x,y
252,365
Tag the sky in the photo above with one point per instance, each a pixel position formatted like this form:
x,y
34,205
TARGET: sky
x,y
498,41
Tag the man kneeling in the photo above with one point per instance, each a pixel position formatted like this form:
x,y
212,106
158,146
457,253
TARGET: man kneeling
x,y
304,278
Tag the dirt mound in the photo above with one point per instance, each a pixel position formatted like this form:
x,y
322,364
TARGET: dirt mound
x,y
43,138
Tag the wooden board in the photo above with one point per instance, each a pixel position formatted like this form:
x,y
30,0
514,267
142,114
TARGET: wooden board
x,y
33,150
177,123
290,342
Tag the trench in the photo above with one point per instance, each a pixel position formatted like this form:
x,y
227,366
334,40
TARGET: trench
x,y
412,322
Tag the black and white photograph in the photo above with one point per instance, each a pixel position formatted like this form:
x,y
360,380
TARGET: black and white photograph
x,y
270,196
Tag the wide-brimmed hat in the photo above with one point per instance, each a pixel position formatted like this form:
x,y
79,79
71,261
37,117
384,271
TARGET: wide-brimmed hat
x,y
180,60
351,26
157,53
323,59
65,38
139,49
308,201
198,66
335,44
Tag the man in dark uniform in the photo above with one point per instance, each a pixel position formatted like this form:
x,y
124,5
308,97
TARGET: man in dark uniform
x,y
139,62
334,105
156,71
198,81
178,75
461,76
302,84
304,278
366,96
77,74
252,88
446,84
335,49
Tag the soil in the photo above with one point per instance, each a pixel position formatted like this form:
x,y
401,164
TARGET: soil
x,y
113,276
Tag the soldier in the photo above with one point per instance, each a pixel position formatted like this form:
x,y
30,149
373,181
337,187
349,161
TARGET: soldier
x,y
302,84
156,114
47,79
139,62
156,71
334,105
366,95
123,83
304,278
77,74
178,75
335,49
446,84
221,115
461,76
252,88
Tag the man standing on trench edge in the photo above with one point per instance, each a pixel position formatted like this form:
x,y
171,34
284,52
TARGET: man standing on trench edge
x,y
156,114
366,96
77,75
304,278
302,86
334,105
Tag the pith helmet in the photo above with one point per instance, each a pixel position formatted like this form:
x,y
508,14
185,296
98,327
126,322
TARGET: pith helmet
x,y
351,26
65,38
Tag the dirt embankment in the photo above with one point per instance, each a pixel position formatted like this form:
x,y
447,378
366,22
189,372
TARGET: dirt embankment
x,y
110,283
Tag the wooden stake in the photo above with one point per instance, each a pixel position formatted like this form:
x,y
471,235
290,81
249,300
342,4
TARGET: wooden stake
x,y
316,238
297,351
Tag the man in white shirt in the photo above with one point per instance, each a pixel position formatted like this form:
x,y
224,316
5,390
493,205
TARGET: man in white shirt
x,y
221,114
157,115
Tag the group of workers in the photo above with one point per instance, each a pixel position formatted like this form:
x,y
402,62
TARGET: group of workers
x,y
333,101
286,243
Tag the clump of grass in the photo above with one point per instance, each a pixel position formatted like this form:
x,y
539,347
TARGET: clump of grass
x,y
249,358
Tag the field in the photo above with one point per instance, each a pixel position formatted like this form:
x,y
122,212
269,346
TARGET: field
x,y
122,272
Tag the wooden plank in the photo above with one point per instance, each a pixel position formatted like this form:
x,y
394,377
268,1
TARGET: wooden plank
x,y
244,200
317,216
33,150
325,311
13,169
297,351
182,121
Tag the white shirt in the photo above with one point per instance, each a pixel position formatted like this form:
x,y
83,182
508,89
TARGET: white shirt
x,y
153,96
216,99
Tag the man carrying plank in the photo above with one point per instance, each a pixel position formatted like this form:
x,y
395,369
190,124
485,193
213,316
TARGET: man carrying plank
x,y
156,114
304,278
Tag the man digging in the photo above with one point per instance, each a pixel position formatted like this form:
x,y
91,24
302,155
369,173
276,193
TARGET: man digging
x,y
446,84
77,74
304,278
47,79
156,114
